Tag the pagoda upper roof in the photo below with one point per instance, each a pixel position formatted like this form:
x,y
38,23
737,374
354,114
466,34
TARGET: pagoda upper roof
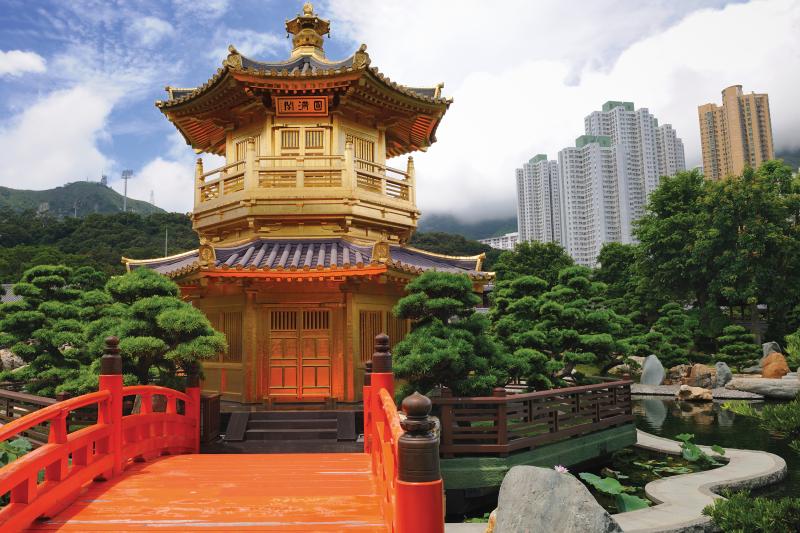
x,y
323,256
412,114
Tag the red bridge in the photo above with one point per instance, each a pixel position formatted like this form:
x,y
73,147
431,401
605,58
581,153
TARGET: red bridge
x,y
144,470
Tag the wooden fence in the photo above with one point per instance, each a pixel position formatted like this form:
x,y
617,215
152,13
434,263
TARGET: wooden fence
x,y
505,423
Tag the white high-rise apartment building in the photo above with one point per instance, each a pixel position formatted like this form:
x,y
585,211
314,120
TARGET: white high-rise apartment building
x,y
539,201
602,183
590,193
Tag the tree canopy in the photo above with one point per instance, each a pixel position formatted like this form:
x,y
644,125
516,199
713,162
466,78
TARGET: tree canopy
x,y
59,325
449,344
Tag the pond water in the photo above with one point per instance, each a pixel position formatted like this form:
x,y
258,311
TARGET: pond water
x,y
711,424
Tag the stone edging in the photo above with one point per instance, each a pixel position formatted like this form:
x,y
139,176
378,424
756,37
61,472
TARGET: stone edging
x,y
681,498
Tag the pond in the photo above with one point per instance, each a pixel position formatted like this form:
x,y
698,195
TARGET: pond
x,y
711,424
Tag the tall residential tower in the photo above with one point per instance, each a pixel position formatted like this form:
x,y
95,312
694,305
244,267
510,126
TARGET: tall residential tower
x,y
599,187
736,134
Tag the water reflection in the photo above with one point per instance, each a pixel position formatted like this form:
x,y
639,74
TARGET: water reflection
x,y
711,424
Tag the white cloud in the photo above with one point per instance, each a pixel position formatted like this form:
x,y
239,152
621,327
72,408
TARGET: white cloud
x,y
150,30
204,9
524,75
171,177
253,44
55,140
17,62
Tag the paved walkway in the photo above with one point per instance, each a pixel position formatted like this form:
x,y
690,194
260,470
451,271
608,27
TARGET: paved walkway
x,y
720,393
681,499
276,492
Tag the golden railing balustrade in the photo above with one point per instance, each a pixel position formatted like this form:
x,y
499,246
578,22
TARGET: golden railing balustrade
x,y
304,176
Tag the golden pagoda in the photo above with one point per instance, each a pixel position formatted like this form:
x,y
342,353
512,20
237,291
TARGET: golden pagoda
x,y
303,231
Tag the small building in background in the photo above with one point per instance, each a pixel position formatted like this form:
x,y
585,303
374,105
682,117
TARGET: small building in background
x,y
503,242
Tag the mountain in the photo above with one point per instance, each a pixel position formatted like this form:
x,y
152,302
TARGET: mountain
x,y
79,198
790,157
470,230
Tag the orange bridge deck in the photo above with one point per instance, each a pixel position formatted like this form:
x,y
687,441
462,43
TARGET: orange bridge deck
x,y
292,492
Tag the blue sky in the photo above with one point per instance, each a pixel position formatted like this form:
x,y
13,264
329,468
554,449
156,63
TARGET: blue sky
x,y
78,79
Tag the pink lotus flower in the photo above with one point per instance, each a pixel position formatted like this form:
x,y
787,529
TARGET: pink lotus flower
x,y
561,469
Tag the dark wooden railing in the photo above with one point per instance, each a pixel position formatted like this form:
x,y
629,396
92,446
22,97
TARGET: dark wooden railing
x,y
504,423
15,405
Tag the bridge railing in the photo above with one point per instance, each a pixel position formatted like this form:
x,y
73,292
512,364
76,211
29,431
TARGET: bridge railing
x,y
46,480
404,451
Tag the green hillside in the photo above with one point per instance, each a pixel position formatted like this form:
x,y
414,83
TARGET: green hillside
x,y
80,197
95,240
790,157
471,230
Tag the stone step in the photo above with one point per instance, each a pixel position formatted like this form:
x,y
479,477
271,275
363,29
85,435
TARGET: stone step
x,y
290,434
303,423
293,415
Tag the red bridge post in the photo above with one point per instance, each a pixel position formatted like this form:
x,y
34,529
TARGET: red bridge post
x,y
420,502
111,380
193,408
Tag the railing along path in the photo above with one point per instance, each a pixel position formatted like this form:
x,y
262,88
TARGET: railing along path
x,y
46,480
504,423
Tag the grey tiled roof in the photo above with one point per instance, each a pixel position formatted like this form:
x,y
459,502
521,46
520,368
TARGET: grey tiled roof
x,y
303,65
317,254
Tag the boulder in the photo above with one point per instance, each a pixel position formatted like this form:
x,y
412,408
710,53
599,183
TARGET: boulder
x,y
692,394
769,347
774,366
780,389
724,374
541,499
492,522
652,371
701,376
756,369
9,360
676,374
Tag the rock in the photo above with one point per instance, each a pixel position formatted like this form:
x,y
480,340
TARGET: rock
x,y
756,369
677,373
541,499
769,347
691,394
9,360
791,375
774,366
652,371
781,389
724,374
701,376
492,522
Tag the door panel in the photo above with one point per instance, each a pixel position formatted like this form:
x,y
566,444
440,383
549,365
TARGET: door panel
x,y
299,354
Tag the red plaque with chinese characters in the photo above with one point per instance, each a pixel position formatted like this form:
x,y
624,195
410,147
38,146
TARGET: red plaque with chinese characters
x,y
301,106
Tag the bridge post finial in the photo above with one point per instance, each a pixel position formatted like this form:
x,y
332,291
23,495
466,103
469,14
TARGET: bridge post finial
x,y
111,362
381,358
418,447
420,504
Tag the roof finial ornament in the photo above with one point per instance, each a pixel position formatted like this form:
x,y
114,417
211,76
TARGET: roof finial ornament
x,y
308,30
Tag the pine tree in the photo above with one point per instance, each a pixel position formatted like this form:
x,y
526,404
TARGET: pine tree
x,y
45,329
671,338
737,347
557,329
449,344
